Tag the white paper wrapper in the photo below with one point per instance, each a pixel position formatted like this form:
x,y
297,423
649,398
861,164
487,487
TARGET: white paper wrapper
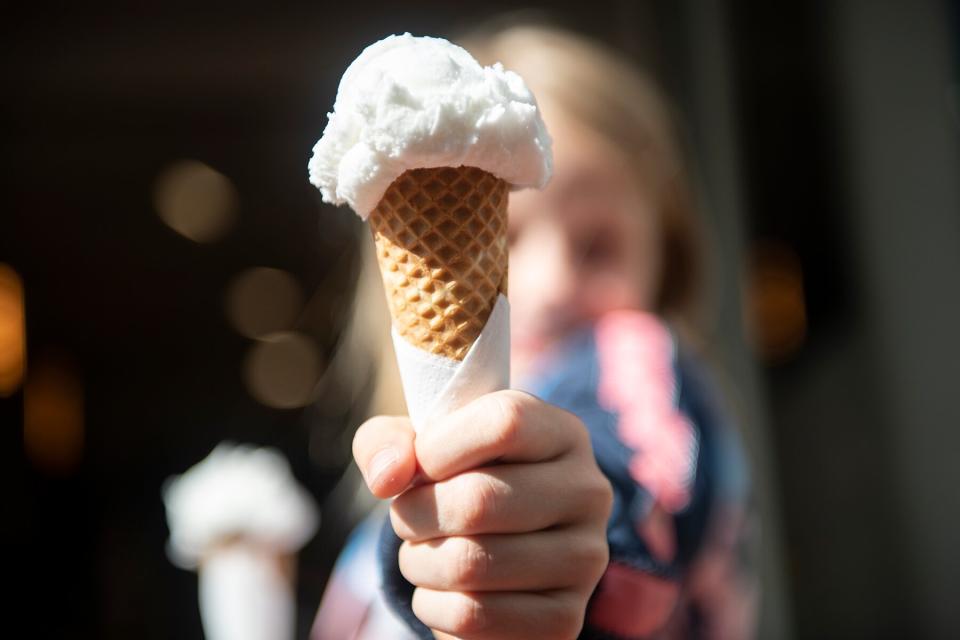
x,y
245,595
434,385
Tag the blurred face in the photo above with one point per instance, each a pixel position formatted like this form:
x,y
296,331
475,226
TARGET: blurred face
x,y
586,245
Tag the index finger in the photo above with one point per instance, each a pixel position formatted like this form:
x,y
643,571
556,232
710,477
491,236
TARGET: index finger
x,y
506,426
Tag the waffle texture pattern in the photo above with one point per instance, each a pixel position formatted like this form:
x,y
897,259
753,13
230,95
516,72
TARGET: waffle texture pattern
x,y
441,236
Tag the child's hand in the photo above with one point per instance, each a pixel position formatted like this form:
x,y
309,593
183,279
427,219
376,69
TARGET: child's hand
x,y
506,536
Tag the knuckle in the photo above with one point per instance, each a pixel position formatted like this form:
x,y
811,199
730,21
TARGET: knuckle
x,y
565,620
588,559
581,435
512,409
479,503
598,493
468,617
596,557
605,494
471,564
572,623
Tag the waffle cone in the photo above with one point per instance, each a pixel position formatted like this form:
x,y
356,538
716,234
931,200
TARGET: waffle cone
x,y
441,238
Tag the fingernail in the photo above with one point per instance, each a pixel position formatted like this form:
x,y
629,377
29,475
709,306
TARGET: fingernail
x,y
381,463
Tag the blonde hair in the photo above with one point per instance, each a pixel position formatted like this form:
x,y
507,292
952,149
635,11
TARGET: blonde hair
x,y
602,90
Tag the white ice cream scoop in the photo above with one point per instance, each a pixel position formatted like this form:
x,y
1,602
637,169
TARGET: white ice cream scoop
x,y
417,102
239,517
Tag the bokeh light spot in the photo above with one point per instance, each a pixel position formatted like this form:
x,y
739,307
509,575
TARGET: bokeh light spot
x,y
195,200
262,301
53,415
775,310
13,332
282,370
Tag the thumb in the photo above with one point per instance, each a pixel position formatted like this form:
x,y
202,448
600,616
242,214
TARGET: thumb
x,y
383,449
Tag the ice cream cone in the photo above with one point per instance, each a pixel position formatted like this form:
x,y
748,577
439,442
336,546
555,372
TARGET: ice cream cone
x,y
425,144
441,238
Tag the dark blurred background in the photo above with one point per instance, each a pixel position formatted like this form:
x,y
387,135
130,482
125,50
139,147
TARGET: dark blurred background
x,y
181,284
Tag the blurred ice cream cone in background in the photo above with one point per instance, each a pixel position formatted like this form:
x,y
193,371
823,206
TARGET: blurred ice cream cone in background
x,y
239,517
